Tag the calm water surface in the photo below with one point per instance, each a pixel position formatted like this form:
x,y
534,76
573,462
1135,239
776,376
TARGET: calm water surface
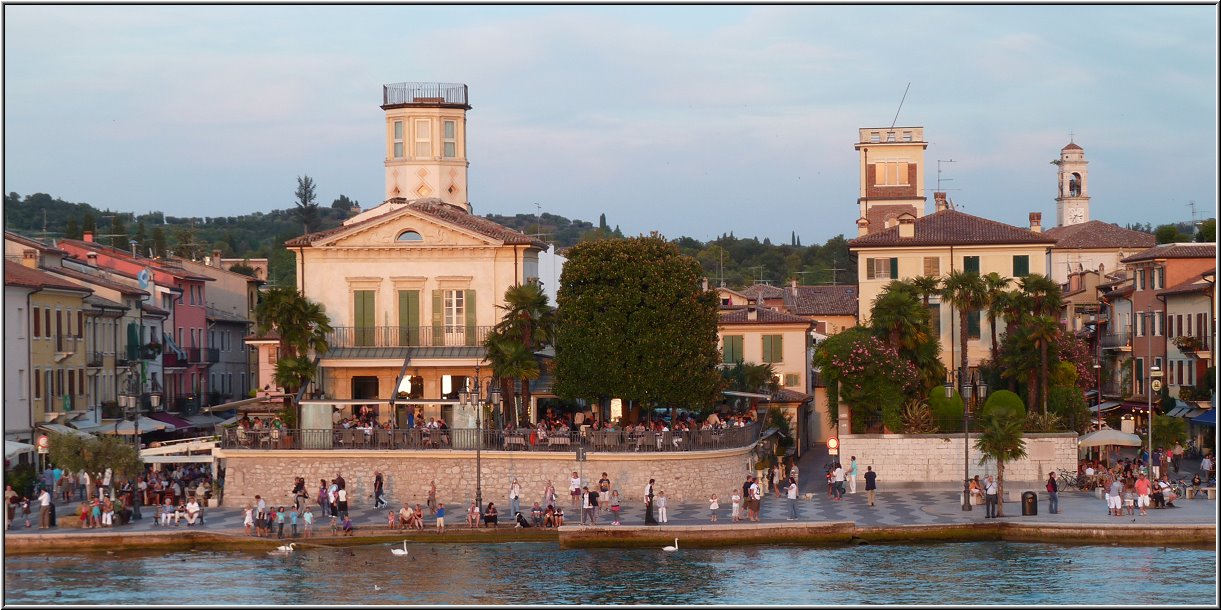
x,y
541,573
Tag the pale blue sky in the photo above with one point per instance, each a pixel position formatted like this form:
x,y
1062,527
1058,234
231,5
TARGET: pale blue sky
x,y
690,120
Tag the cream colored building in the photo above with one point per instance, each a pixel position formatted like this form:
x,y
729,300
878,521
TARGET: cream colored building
x,y
937,244
891,176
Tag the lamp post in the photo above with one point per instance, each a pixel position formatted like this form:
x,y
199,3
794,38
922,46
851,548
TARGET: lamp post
x,y
971,393
1153,372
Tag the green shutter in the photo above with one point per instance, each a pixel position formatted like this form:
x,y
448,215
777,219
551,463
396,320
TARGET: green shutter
x,y
438,318
468,302
970,264
894,268
778,346
731,352
869,273
364,317
973,325
934,319
409,317
1021,265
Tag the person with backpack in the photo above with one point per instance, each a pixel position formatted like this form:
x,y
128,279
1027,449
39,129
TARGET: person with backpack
x,y
1053,495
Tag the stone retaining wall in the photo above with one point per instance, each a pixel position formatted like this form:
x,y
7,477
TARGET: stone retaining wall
x,y
684,476
911,458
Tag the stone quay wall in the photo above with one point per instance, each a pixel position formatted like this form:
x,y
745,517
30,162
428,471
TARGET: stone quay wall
x,y
924,458
685,476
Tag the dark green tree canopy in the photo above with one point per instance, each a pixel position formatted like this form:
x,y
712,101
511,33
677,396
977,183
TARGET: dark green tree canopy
x,y
635,323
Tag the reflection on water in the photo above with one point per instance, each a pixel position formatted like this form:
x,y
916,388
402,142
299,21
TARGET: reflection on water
x,y
541,573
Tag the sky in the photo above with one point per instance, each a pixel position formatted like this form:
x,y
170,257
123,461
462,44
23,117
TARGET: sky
x,y
688,120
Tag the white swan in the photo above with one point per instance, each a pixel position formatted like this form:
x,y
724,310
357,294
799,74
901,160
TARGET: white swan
x,y
671,548
400,552
286,548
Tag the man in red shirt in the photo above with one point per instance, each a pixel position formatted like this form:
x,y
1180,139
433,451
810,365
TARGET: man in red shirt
x,y
1142,494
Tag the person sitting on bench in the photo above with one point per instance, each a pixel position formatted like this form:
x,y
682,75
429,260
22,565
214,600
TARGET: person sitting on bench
x,y
1195,485
167,512
489,517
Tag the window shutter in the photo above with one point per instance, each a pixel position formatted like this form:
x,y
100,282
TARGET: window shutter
x,y
932,266
894,268
468,302
438,318
869,272
37,323
1021,265
364,317
970,264
934,318
790,379
409,317
731,351
973,325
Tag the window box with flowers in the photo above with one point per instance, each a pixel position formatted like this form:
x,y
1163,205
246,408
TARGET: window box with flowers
x,y
1188,344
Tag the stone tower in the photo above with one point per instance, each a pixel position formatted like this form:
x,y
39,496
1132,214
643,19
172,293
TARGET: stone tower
x,y
891,176
426,141
1073,196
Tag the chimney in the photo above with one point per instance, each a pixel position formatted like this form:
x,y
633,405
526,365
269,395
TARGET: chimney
x,y
1036,222
793,287
752,312
29,258
92,257
862,227
907,226
216,259
939,202
88,236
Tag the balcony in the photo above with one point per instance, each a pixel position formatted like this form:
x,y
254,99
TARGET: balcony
x,y
93,359
442,94
172,360
407,336
1117,340
194,355
212,354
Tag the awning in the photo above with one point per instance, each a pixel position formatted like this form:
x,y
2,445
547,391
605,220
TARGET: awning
x,y
230,421
128,428
178,423
13,449
1179,412
1208,419
204,420
276,398
62,429
1104,407
1109,436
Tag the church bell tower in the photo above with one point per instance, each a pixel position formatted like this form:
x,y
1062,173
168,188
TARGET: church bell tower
x,y
1072,200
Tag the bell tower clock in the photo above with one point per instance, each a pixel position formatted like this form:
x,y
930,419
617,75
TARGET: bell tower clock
x,y
1072,199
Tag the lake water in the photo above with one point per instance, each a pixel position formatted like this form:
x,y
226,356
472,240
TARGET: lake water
x,y
541,573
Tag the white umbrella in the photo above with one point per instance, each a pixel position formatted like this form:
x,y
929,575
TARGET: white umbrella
x,y
14,448
146,425
1109,436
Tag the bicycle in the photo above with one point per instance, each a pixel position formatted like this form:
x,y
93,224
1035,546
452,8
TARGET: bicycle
x,y
1066,480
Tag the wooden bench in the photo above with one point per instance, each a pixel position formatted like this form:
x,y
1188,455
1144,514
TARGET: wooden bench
x,y
1211,492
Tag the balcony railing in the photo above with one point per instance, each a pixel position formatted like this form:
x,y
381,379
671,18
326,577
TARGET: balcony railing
x,y
93,359
424,93
212,354
608,441
173,360
406,336
1116,340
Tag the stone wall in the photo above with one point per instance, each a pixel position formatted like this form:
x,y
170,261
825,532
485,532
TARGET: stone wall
x,y
911,458
684,476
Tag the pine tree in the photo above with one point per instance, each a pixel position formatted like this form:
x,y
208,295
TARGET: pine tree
x,y
602,222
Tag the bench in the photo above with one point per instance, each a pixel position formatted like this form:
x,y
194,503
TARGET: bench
x,y
1211,492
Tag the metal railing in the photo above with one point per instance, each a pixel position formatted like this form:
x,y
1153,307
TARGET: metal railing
x,y
1115,340
424,93
173,360
212,354
94,359
406,336
463,439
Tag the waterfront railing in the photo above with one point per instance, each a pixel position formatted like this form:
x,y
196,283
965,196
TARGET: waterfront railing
x,y
462,439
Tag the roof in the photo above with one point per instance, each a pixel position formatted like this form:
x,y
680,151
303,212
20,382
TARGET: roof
x,y
122,288
823,300
1196,283
766,315
766,291
1072,146
224,316
953,228
436,209
787,395
16,274
1098,234
153,309
164,266
1176,250
98,301
31,242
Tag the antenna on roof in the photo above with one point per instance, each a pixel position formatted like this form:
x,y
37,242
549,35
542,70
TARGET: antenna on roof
x,y
939,178
802,276
896,119
833,269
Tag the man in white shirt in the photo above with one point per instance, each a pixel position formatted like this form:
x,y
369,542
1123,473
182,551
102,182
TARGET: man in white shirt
x,y
192,511
755,495
44,509
991,498
839,482
792,495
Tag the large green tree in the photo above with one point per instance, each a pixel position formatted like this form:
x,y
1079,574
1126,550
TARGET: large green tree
x,y
306,209
994,286
966,292
900,318
635,323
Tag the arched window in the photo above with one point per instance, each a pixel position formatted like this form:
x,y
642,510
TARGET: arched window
x,y
409,236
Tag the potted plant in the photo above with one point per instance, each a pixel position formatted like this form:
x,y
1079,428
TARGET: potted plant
x,y
1187,343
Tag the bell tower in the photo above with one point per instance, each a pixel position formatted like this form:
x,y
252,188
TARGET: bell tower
x,y
1072,199
426,141
891,176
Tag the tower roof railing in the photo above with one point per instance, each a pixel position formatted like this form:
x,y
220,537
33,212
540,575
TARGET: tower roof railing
x,y
443,94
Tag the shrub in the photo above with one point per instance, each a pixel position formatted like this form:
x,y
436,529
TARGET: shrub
x,y
918,418
1069,403
1003,400
947,412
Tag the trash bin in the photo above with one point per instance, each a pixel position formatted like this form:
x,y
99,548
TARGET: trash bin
x,y
1030,504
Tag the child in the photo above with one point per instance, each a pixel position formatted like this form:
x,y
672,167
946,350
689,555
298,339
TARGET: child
x,y
248,519
347,525
292,520
440,518
661,507
614,503
736,500
280,523
713,505
308,517
25,510
391,520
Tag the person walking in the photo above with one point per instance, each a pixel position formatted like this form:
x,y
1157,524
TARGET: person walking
x,y
379,486
44,509
735,504
594,498
852,475
1177,457
838,479
574,489
432,497
441,518
756,495
1156,463
990,498
1206,468
514,498
792,495
871,484
1053,495
648,504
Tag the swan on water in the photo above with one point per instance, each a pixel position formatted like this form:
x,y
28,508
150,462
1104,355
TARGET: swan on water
x,y
671,548
400,552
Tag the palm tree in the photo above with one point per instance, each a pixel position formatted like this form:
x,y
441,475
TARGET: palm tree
x,y
898,317
529,320
1044,294
994,285
1043,332
926,286
302,326
513,363
1000,440
965,291
1011,305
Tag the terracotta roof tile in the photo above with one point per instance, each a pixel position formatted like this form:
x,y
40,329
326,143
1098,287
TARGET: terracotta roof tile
x,y
1195,284
16,274
97,280
787,395
1072,146
766,291
1179,250
1098,234
823,300
31,242
436,209
766,315
953,228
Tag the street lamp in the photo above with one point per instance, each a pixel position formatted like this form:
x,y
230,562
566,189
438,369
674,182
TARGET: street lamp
x,y
1098,378
1153,372
975,391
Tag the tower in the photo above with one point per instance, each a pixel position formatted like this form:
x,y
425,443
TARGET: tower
x,y
1072,200
891,175
426,141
